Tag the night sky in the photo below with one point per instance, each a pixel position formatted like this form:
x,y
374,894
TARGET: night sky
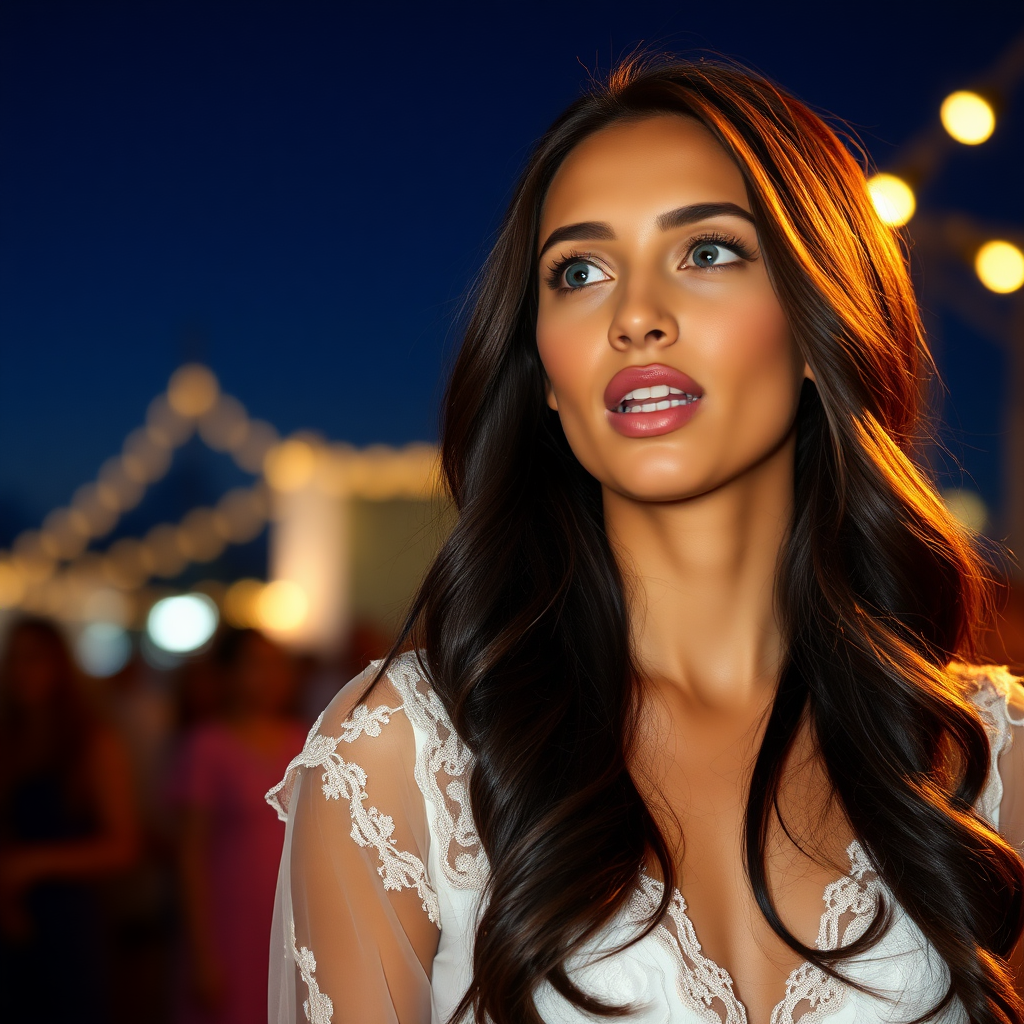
x,y
299,194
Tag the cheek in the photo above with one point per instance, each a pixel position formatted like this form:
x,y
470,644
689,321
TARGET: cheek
x,y
566,360
572,362
756,351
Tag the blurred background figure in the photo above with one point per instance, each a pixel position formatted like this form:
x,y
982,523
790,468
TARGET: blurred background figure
x,y
228,846
67,820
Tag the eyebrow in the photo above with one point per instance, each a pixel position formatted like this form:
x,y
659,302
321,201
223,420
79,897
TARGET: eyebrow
x,y
596,230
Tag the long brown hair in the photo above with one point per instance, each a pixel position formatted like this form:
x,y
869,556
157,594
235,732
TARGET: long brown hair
x,y
523,617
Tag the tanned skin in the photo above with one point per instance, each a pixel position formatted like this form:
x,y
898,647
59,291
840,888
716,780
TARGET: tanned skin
x,y
696,517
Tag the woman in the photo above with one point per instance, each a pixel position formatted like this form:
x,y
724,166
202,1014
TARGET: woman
x,y
229,847
67,819
688,667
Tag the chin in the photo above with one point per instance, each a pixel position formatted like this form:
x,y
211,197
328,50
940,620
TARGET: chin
x,y
677,487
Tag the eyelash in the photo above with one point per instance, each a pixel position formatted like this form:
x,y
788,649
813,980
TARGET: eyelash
x,y
558,268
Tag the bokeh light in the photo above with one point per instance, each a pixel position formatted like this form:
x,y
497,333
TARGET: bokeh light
x,y
289,466
192,390
198,536
1000,266
968,506
144,459
259,439
12,586
182,624
281,606
167,558
103,649
968,117
240,603
893,199
127,563
225,426
165,425
241,514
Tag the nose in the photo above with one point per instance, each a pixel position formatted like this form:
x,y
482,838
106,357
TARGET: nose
x,y
641,319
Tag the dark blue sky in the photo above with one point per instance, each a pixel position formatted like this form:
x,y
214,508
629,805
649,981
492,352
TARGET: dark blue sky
x,y
298,193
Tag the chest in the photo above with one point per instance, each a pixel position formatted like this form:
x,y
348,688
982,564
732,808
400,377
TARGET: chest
x,y
696,778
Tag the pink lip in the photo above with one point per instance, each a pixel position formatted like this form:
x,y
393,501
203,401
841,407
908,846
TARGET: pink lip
x,y
649,424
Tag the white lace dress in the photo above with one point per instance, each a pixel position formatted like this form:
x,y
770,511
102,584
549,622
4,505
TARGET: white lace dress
x,y
381,855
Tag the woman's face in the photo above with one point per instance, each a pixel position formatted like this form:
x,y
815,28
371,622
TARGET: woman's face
x,y
668,356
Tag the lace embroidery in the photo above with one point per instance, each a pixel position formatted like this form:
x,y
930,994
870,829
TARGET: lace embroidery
x,y
318,1008
702,983
992,685
341,778
463,859
854,894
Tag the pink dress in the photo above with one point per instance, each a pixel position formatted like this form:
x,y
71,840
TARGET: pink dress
x,y
220,774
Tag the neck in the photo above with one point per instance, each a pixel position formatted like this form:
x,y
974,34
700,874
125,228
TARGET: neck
x,y
700,579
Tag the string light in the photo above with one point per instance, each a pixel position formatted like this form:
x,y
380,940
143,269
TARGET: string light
x,y
968,117
893,199
289,466
192,390
12,586
1000,267
31,577
241,514
225,426
198,536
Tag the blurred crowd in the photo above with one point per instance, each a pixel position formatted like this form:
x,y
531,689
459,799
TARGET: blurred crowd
x,y
138,859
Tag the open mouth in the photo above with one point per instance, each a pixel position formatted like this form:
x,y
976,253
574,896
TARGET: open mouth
x,y
654,399
647,401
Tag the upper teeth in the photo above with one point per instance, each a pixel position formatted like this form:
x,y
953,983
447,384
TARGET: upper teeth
x,y
658,391
674,397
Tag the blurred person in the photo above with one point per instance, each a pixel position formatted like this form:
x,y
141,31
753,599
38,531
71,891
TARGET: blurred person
x,y
67,819
228,849
198,693
139,904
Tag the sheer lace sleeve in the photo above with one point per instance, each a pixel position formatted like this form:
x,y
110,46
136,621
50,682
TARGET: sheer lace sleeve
x,y
999,697
355,922
1010,760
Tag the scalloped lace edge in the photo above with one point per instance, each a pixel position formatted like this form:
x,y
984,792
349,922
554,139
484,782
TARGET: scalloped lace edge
x,y
448,754
992,699
370,827
318,1008
701,981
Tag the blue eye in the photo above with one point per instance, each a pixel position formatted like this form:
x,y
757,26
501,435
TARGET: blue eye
x,y
579,273
707,254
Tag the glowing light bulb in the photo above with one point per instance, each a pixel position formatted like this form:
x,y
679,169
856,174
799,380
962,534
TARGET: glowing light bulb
x,y
289,466
968,117
893,199
192,390
1000,266
281,606
182,624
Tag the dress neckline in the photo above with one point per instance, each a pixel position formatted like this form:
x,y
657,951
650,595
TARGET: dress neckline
x,y
703,982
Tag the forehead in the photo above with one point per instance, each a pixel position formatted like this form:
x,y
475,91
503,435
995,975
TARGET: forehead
x,y
638,170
